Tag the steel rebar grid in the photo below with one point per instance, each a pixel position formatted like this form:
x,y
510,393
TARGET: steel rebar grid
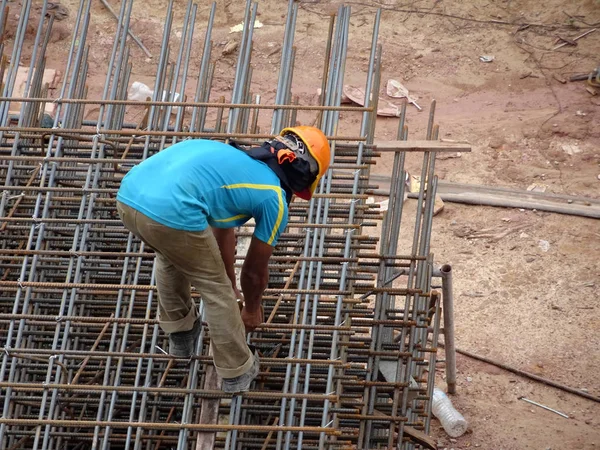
x,y
82,363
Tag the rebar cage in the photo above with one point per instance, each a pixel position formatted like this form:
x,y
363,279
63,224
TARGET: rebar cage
x,y
349,344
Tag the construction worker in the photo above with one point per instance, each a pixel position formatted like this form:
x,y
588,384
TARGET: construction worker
x,y
185,201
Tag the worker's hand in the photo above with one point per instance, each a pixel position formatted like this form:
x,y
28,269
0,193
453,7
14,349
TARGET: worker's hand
x,y
252,319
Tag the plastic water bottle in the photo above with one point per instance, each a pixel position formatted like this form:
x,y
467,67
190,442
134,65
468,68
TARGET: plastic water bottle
x,y
453,422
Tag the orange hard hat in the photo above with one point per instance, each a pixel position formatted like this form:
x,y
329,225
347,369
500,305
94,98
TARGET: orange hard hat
x,y
318,146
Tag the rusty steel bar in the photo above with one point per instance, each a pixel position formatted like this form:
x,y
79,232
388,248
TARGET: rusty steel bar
x,y
162,103
83,359
165,426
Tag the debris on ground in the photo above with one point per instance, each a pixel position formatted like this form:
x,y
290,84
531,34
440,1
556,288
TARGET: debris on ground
x,y
240,26
487,58
414,185
474,294
438,205
537,187
141,92
59,11
448,155
570,149
50,77
528,74
396,89
384,108
559,78
230,47
493,234
573,42
544,245
544,407
275,48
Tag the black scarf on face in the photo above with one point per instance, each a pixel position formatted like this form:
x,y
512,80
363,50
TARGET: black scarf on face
x,y
293,172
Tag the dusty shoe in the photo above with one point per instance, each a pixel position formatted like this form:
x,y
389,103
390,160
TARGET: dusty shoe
x,y
183,344
242,383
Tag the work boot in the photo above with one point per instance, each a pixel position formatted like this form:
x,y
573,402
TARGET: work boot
x,y
242,383
183,343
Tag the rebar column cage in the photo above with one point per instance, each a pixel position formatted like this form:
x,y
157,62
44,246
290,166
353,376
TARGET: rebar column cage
x,y
349,344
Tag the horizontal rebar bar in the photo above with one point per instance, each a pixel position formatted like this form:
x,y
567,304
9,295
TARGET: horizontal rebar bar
x,y
85,101
164,426
41,133
24,387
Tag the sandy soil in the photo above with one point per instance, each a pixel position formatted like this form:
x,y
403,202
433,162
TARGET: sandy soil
x,y
534,309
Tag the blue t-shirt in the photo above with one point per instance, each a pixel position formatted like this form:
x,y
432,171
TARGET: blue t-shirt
x,y
196,183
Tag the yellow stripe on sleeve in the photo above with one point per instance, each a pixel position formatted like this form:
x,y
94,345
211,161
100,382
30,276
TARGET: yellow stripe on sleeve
x,y
263,187
229,219
279,217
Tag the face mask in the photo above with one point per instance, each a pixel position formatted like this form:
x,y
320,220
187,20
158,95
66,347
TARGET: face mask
x,y
297,170
298,147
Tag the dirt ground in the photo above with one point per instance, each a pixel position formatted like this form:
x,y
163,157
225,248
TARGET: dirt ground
x,y
519,300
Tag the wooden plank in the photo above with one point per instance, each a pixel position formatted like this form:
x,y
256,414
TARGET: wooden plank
x,y
209,413
420,438
49,77
507,198
420,146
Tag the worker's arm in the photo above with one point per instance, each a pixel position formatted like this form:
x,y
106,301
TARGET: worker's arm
x,y
254,279
270,216
226,239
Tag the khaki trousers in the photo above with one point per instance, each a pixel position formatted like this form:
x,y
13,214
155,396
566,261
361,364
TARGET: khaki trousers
x,y
185,258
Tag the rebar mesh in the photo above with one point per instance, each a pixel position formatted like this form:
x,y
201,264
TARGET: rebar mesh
x,y
348,349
